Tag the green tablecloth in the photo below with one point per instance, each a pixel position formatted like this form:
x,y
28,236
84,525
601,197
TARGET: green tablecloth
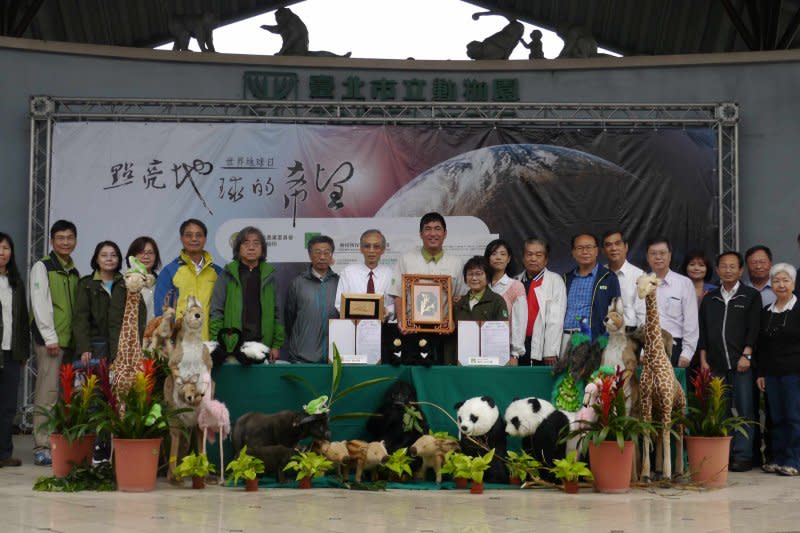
x,y
260,388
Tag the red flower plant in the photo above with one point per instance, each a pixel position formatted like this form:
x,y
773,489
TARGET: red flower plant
x,y
75,413
67,373
149,366
700,383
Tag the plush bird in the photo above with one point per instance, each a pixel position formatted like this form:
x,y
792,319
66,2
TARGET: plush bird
x,y
213,417
255,352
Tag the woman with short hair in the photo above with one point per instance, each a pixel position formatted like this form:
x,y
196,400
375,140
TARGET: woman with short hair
x,y
778,369
498,253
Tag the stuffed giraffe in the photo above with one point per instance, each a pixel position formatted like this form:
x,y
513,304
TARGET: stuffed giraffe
x,y
128,360
659,389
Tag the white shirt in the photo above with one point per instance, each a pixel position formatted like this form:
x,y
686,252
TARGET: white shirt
x,y
412,262
354,279
726,296
633,307
788,307
677,311
517,314
5,303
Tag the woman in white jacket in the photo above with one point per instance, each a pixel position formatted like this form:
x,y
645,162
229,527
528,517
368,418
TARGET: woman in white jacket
x,y
499,255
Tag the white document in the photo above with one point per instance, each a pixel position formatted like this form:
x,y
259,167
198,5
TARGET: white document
x,y
469,341
495,340
368,341
342,331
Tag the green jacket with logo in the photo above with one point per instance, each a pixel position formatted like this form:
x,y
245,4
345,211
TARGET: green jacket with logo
x,y
62,284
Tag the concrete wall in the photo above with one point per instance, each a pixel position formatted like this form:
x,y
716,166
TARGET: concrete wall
x,y
764,84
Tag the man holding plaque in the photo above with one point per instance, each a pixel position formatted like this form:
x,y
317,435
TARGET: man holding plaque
x,y
368,277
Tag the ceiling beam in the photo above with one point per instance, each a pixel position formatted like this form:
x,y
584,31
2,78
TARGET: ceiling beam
x,y
790,33
740,26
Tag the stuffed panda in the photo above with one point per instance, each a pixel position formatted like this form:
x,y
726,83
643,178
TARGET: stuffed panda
x,y
540,425
479,419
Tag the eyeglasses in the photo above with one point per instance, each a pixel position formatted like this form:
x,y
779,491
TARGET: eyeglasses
x,y
321,253
585,248
658,253
147,253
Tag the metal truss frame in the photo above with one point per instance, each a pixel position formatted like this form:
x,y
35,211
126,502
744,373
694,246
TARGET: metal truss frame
x,y
45,111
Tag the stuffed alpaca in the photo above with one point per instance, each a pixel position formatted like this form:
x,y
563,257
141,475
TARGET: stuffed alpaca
x,y
481,429
621,353
541,426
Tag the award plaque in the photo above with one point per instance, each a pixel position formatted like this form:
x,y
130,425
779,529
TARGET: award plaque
x,y
427,304
362,306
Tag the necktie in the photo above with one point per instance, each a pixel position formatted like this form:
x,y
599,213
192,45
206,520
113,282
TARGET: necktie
x,y
370,284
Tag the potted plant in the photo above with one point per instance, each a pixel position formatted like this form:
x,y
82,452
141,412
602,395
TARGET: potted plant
x,y
457,465
308,465
610,438
72,422
569,470
398,465
477,466
196,467
708,429
521,466
137,429
246,467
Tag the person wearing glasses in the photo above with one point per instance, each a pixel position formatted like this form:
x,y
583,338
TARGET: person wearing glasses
x,y
310,303
146,251
590,289
677,302
53,287
778,368
759,262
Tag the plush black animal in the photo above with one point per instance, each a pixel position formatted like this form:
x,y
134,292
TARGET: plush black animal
x,y
479,420
389,425
286,428
275,457
540,425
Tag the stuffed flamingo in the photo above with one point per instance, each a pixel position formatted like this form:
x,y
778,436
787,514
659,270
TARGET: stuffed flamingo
x,y
213,417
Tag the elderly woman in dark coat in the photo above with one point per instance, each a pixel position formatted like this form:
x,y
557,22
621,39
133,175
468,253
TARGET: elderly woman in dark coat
x,y
778,367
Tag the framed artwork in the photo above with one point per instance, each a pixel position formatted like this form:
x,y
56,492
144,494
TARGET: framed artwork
x,y
426,303
361,306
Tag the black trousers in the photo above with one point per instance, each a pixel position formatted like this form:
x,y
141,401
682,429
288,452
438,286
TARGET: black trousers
x,y
9,385
677,347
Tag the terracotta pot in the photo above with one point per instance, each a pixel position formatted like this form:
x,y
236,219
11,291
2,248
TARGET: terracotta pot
x,y
708,460
513,480
251,485
611,467
461,482
304,483
136,464
476,488
570,487
66,454
198,482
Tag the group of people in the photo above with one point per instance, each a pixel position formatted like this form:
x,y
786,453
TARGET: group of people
x,y
747,332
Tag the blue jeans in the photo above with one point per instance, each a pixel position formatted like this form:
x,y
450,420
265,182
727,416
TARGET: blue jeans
x,y
784,408
741,399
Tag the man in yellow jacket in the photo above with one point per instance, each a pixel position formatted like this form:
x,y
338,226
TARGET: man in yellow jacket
x,y
192,273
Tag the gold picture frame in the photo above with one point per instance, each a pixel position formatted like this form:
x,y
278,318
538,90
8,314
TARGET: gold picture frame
x,y
426,303
361,306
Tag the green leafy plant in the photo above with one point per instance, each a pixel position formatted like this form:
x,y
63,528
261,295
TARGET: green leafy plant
x,y
707,415
309,464
98,478
570,469
245,466
76,412
194,465
611,423
479,465
144,416
336,394
412,418
522,466
457,465
398,463
441,434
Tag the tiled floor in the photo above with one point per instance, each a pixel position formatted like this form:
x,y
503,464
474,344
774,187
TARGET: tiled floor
x,y
754,502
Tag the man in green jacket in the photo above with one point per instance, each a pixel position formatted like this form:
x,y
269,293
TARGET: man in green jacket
x,y
53,281
244,297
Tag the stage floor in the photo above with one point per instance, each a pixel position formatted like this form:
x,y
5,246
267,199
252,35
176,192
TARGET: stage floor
x,y
754,502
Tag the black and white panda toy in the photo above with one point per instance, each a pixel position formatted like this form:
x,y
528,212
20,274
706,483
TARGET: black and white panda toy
x,y
479,419
540,425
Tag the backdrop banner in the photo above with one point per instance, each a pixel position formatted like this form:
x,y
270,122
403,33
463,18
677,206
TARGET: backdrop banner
x,y
124,179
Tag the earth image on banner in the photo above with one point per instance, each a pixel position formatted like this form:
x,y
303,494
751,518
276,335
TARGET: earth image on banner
x,y
524,190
